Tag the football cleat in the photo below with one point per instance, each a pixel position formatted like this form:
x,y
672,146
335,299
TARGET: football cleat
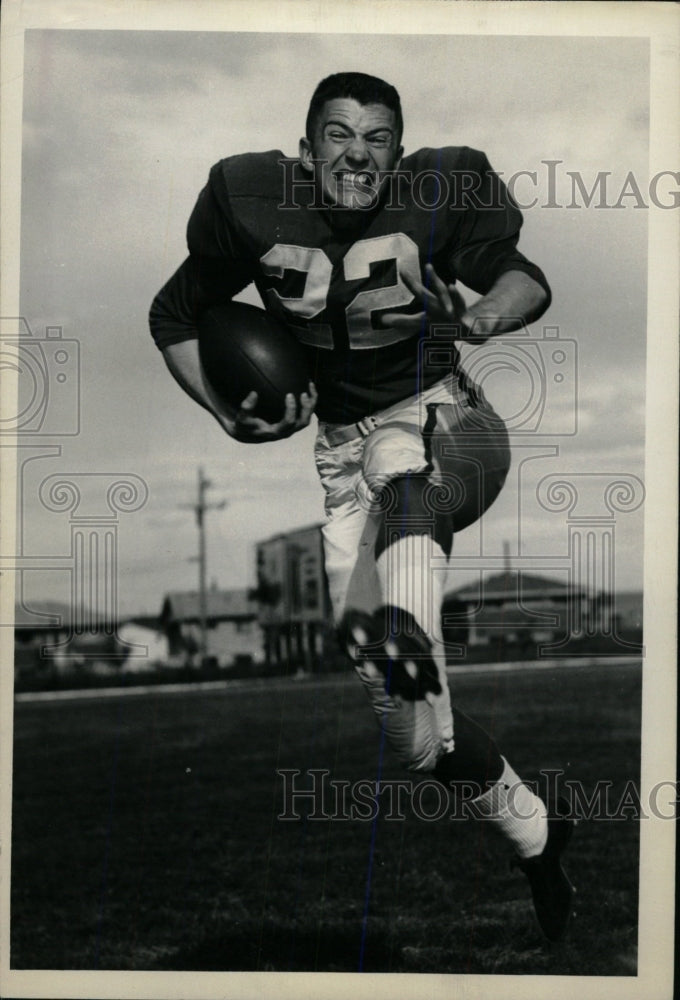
x,y
551,890
391,642
357,632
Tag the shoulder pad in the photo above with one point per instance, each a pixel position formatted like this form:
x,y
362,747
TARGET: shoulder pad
x,y
250,174
445,159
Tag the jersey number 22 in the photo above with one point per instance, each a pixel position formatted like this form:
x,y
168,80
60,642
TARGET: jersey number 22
x,y
317,268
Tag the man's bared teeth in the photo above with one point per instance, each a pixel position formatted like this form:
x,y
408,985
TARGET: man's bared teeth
x,y
359,178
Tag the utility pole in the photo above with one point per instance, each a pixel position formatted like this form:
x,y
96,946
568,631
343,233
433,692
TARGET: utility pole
x,y
507,563
200,509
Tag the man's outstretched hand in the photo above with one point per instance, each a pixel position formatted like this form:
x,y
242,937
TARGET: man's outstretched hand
x,y
244,426
442,305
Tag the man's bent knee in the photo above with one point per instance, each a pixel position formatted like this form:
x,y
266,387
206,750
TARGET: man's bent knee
x,y
413,512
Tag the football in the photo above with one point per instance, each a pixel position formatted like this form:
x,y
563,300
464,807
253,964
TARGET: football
x,y
243,348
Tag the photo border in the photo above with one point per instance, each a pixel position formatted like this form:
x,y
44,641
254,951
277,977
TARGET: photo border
x,y
656,21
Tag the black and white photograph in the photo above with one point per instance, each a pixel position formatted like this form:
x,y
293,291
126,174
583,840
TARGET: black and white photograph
x,y
338,444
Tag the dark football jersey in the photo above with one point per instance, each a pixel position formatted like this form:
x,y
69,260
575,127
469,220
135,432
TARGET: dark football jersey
x,y
331,274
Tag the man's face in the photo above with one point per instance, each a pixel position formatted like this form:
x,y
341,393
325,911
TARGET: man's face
x,y
356,147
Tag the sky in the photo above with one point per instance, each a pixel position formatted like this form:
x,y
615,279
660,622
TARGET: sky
x,y
120,130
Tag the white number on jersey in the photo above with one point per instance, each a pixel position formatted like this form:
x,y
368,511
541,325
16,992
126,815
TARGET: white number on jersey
x,y
317,268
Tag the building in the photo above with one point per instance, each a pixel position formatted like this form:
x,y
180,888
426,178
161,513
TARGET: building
x,y
515,607
40,634
538,614
233,632
292,598
626,610
51,641
146,645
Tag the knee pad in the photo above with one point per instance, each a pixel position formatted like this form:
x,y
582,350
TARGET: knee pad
x,y
392,449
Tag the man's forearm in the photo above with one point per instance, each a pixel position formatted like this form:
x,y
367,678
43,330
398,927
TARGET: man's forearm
x,y
515,300
184,364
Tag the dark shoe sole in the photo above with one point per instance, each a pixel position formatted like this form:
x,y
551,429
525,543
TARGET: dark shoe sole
x,y
396,647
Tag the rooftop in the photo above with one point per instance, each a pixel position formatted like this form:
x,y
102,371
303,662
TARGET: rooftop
x,y
225,605
514,583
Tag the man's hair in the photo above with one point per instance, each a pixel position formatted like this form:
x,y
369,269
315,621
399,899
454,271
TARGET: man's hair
x,y
359,87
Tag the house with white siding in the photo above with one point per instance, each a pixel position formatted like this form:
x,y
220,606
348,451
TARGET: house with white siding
x,y
233,632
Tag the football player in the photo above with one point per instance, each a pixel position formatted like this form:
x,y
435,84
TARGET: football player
x,y
357,249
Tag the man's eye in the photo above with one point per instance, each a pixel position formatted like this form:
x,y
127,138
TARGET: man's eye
x,y
380,140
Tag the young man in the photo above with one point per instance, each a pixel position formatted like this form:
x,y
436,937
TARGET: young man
x,y
357,250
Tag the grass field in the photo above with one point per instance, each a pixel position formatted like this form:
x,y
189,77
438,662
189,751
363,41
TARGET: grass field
x,y
146,837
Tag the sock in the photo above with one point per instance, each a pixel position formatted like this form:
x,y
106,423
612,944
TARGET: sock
x,y
515,812
410,580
